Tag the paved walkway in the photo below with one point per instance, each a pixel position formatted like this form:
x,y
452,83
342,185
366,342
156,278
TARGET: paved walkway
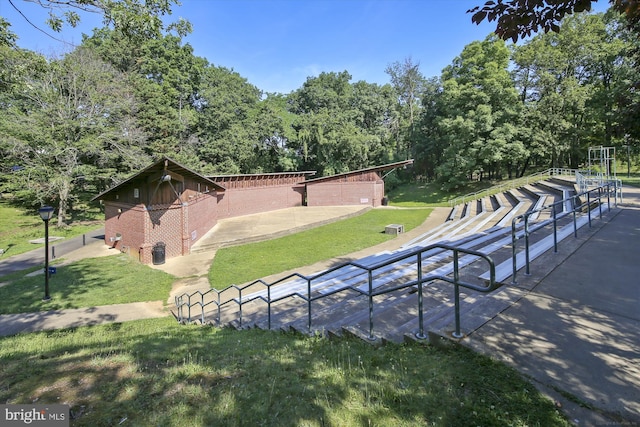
x,y
578,329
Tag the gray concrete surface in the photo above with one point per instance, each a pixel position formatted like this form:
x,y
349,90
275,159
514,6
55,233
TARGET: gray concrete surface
x,y
577,331
11,263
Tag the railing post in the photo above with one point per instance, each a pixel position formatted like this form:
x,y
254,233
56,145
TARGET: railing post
x,y
589,206
219,308
240,305
269,307
555,229
189,309
371,337
514,240
420,335
456,278
526,243
309,304
202,308
609,196
178,301
600,201
575,223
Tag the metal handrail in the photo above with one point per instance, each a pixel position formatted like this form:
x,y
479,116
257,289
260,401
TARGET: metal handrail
x,y
576,207
518,182
184,301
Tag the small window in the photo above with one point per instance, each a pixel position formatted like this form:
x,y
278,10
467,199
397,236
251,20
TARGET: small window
x,y
136,193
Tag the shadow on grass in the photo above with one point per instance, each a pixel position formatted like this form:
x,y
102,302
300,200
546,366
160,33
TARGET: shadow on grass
x,y
87,283
161,373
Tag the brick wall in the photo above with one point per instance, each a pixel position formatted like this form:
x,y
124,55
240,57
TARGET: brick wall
x,y
333,193
201,217
126,220
246,201
164,223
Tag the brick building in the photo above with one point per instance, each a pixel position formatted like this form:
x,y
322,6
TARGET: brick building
x,y
170,206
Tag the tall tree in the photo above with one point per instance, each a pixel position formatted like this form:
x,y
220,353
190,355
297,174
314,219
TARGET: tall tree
x,y
408,82
477,116
69,127
569,83
341,126
226,130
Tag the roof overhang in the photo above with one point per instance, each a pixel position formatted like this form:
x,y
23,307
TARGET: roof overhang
x,y
390,166
158,170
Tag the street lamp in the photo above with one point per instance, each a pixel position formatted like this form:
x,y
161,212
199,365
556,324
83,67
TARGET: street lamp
x,y
46,212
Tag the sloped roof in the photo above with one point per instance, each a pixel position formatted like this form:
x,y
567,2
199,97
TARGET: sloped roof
x,y
260,175
356,172
164,163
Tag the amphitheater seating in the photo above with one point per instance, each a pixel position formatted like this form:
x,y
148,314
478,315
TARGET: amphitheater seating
x,y
339,301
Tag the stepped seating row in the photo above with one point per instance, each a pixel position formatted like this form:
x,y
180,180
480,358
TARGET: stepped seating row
x,y
340,304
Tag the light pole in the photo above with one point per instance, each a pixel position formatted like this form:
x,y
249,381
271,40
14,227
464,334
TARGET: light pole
x,y
46,212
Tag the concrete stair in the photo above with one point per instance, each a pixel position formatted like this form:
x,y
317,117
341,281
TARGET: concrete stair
x,y
339,305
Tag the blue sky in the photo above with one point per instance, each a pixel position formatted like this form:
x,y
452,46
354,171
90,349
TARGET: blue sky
x,y
277,44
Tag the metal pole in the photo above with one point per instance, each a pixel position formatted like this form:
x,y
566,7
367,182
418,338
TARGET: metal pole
x,y
309,304
456,277
575,223
514,240
555,229
600,201
526,243
420,335
47,297
269,307
589,207
371,337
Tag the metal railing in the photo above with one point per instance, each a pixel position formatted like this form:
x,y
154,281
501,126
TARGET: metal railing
x,y
185,302
588,179
514,183
593,197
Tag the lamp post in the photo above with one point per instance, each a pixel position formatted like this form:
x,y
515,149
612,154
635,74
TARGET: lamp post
x,y
46,212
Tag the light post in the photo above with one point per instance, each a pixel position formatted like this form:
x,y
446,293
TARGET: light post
x,y
46,212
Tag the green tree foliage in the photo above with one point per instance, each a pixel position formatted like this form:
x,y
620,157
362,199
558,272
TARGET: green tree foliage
x,y
570,83
137,19
69,126
520,18
408,82
341,126
226,130
474,130
129,94
166,78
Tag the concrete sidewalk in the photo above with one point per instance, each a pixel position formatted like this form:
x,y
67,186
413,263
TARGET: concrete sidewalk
x,y
577,331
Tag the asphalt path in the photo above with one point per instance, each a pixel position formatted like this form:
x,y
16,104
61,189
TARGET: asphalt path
x,y
11,263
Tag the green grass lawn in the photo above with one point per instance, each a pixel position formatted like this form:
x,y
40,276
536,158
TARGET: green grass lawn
x,y
159,373
633,179
241,264
90,282
417,194
18,226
